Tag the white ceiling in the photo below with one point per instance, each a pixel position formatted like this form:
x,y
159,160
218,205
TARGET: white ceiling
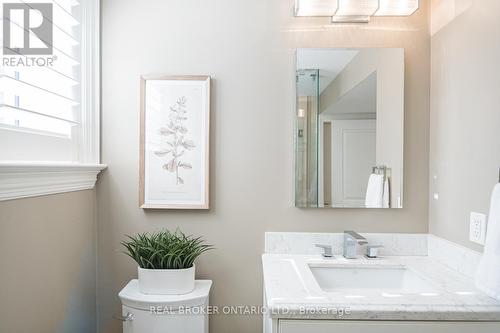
x,y
330,62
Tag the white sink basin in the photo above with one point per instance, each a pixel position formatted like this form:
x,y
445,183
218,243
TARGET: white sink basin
x,y
389,280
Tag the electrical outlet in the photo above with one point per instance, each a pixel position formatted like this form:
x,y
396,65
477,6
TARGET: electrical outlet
x,y
477,232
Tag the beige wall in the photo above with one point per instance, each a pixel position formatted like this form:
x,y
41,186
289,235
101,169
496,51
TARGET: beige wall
x,y
465,114
48,264
248,48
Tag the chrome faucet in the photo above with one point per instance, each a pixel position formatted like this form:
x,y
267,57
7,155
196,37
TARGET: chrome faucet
x,y
352,240
327,250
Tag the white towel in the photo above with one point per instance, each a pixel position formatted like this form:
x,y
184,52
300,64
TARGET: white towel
x,y
375,191
387,194
488,272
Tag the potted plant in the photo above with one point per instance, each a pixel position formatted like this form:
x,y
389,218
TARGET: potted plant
x,y
166,261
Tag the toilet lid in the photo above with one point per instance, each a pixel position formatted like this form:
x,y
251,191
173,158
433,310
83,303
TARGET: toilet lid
x,y
130,296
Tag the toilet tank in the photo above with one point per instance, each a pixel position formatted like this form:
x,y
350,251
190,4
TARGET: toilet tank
x,y
165,313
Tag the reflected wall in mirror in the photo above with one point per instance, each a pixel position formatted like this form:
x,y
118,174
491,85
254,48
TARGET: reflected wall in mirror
x,y
349,128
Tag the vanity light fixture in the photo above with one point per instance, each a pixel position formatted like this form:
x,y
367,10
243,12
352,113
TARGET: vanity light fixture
x,y
357,7
396,7
350,19
315,7
355,11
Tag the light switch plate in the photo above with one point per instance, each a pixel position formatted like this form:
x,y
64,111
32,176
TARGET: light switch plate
x,y
477,232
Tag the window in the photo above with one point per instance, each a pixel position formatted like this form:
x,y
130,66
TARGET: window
x,y
49,88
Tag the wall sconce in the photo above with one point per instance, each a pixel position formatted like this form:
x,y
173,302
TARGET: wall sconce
x,y
355,11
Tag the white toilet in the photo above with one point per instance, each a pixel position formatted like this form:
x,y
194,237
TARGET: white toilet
x,y
165,313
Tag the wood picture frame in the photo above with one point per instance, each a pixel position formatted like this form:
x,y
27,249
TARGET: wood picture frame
x,y
174,158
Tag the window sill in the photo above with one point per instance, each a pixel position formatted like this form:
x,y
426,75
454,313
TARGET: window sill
x,y
24,180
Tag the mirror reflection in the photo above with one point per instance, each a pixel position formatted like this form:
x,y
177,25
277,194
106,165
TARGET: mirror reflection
x,y
349,128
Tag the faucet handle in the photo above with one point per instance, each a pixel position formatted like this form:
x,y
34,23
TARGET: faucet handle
x,y
372,250
328,252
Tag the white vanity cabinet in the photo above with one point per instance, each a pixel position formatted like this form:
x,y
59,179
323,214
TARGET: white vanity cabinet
x,y
339,326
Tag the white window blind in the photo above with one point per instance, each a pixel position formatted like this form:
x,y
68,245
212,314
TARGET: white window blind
x,y
41,115
49,114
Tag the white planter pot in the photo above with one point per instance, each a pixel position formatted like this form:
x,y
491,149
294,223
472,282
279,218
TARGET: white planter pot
x,y
166,281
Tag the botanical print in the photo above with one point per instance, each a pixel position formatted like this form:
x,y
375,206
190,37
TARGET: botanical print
x,y
177,142
175,139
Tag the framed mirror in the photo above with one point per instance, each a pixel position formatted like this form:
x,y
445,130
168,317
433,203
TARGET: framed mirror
x,y
349,128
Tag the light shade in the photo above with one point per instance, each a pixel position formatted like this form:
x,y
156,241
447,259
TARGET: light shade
x,y
315,7
397,7
357,7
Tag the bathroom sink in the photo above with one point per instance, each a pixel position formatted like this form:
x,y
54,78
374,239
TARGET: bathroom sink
x,y
389,280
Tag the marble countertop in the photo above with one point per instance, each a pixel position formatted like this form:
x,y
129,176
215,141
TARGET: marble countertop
x,y
291,291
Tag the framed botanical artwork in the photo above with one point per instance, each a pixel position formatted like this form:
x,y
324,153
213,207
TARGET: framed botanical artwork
x,y
174,142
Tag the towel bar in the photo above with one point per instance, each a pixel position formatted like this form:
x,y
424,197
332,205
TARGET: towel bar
x,y
381,170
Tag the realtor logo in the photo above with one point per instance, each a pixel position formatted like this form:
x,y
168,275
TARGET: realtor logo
x,y
27,28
